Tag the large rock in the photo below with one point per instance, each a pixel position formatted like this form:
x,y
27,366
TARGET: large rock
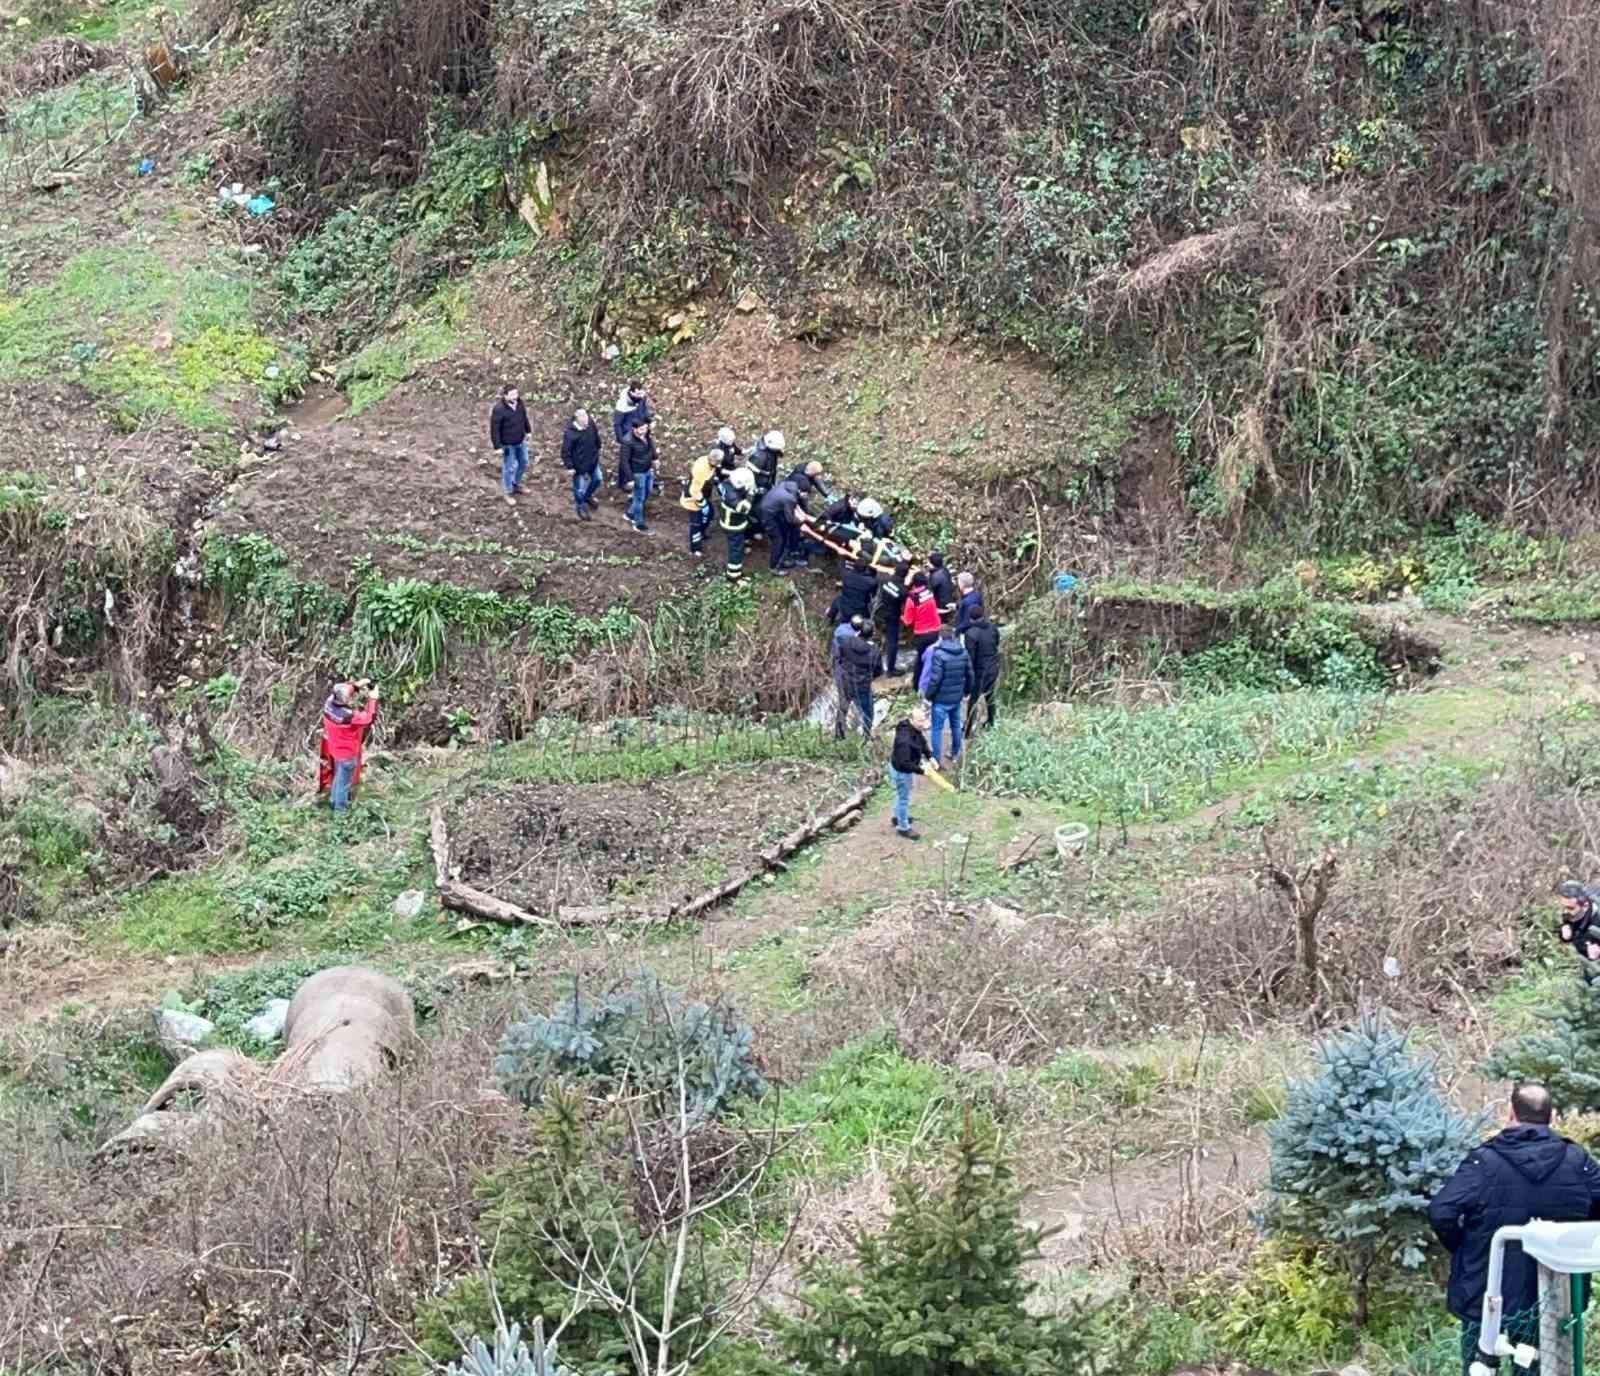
x,y
267,1025
182,1032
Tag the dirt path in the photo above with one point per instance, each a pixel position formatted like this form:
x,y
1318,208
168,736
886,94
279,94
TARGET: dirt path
x,y
47,969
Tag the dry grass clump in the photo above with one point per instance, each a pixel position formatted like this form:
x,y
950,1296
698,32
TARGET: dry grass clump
x,y
275,1241
52,62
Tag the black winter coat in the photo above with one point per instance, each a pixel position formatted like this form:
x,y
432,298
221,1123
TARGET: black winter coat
x,y
764,462
859,658
943,588
891,598
950,678
580,449
910,749
983,649
508,424
856,593
638,456
1523,1173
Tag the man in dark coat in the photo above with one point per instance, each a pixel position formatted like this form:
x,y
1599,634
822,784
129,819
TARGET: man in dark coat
x,y
943,588
891,602
580,453
638,460
1580,925
781,513
1526,1171
508,432
764,461
971,601
983,649
946,683
909,757
858,587
633,405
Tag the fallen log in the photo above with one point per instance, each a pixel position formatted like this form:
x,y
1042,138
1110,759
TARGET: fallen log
x,y
464,898
774,856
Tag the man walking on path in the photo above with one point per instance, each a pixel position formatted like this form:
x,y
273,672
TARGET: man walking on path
x,y
946,683
702,485
1525,1171
633,406
909,757
580,452
344,731
638,466
983,649
508,432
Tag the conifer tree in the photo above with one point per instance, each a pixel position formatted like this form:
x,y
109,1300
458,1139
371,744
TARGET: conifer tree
x,y
1359,1150
941,1290
1565,1058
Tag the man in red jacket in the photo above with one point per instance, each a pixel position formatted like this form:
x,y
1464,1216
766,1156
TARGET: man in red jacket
x,y
344,729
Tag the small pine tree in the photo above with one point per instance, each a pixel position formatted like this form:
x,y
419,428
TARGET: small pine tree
x,y
1564,1058
941,1289
1358,1152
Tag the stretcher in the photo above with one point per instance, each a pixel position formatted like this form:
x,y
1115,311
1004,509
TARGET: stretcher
x,y
851,541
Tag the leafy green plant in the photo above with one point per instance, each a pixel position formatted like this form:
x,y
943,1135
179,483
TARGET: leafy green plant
x,y
1358,1151
641,1036
1165,759
294,892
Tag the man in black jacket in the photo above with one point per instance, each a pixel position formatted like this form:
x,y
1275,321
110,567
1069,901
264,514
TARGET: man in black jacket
x,y
1580,926
983,649
858,587
580,452
909,757
508,432
942,586
1524,1172
891,602
639,462
858,657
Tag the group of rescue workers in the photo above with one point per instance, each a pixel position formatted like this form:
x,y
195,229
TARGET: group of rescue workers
x,y
953,645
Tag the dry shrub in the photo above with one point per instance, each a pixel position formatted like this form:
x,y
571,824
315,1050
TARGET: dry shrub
x,y
52,62
1442,891
362,80
280,1241
1203,1230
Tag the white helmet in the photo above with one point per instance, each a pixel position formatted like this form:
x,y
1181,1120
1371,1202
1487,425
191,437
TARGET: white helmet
x,y
725,435
868,509
774,440
743,479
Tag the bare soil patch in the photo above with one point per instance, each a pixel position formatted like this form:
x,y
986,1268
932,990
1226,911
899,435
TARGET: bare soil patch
x,y
543,845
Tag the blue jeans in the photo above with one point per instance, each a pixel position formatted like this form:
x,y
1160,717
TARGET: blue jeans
x,y
950,713
344,773
584,486
643,484
513,464
902,798
864,702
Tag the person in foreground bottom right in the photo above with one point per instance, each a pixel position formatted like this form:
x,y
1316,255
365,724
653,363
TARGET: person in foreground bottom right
x,y
910,757
1525,1171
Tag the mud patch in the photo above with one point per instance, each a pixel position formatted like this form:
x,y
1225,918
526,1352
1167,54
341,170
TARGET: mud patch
x,y
541,846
